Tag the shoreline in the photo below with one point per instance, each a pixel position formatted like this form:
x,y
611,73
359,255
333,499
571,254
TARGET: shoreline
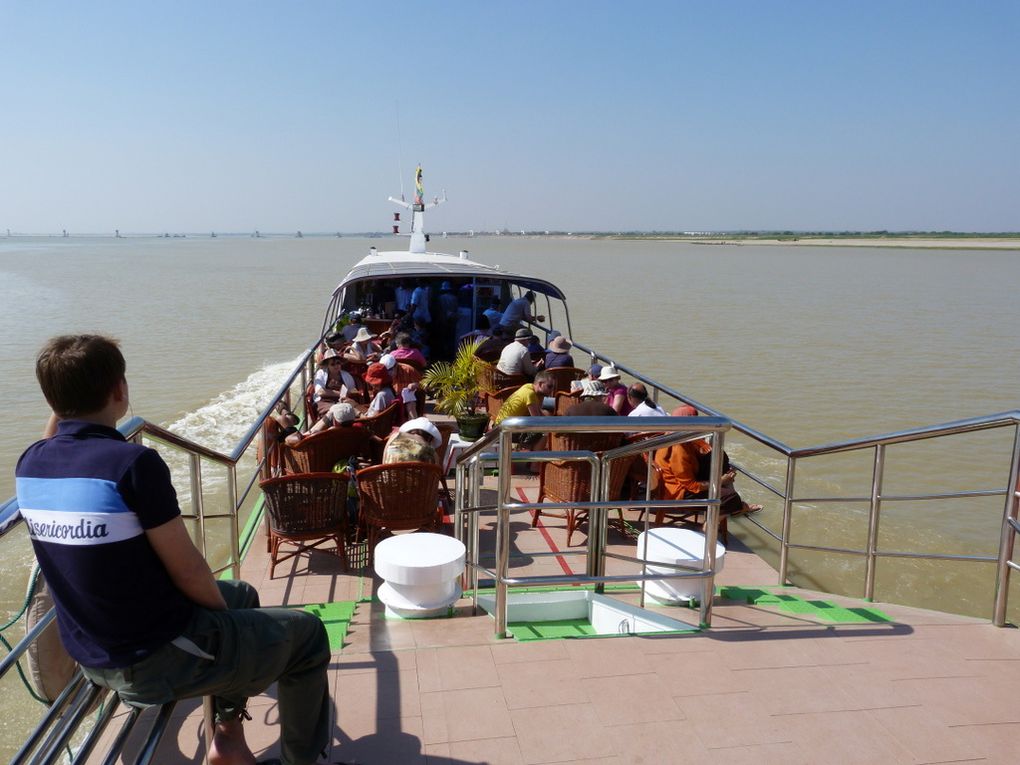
x,y
920,243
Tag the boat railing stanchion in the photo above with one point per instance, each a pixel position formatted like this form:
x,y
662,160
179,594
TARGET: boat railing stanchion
x,y
503,531
711,529
477,466
235,543
1007,538
197,500
595,547
784,548
873,517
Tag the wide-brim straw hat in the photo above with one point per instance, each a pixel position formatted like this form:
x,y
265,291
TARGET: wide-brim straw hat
x,y
363,335
559,345
425,425
609,373
329,354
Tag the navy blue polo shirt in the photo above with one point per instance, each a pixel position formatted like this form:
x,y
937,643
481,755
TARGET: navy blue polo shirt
x,y
87,496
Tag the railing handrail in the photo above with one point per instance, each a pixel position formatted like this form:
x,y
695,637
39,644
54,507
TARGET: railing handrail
x,y
863,442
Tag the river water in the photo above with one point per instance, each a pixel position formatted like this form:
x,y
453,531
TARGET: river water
x,y
807,344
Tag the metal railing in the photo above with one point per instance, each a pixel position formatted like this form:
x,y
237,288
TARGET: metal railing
x,y
788,495
670,430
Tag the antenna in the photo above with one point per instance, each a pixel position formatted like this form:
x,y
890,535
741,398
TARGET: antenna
x,y
400,153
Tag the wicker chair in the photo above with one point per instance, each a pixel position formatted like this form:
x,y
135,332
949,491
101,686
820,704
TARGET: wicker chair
x,y
381,424
494,401
306,510
320,451
570,480
563,376
398,496
565,400
492,380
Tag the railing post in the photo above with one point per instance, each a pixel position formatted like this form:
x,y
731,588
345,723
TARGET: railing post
x,y
595,546
235,542
784,549
197,500
476,500
711,529
1007,538
503,531
873,516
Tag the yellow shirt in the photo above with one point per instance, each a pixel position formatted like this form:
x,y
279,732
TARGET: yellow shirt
x,y
519,402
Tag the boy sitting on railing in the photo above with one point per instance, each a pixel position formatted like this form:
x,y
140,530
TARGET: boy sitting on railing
x,y
137,605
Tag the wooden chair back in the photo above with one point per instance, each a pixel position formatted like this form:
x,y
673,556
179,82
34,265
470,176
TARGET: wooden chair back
x,y
565,400
563,376
399,496
494,401
320,451
381,424
306,510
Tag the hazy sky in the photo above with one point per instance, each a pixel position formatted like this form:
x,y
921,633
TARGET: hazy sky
x,y
192,116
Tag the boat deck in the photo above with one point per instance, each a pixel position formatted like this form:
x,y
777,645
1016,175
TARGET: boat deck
x,y
807,679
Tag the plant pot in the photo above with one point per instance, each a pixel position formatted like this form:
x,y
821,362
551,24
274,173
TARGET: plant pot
x,y
471,426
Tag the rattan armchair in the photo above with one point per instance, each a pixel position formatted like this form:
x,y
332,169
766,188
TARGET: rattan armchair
x,y
491,379
319,452
494,401
570,480
306,510
399,496
563,376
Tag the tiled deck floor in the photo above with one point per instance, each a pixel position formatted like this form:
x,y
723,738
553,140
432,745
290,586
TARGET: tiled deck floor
x,y
760,686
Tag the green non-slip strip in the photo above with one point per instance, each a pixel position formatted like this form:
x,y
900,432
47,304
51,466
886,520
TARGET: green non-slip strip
x,y
337,619
824,610
555,630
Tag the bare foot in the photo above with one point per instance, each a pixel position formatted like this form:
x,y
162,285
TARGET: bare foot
x,y
228,745
748,509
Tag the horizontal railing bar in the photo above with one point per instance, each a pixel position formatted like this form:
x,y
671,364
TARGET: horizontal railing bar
x,y
703,425
772,443
109,707
939,556
956,427
22,645
1012,565
607,578
614,504
819,548
763,527
907,497
760,481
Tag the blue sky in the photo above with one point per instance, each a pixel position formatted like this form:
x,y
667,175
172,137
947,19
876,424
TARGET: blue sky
x,y
233,116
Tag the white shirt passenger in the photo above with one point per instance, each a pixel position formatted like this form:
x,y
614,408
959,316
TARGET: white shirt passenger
x,y
647,408
515,360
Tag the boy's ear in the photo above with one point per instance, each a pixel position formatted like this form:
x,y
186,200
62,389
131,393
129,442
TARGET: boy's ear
x,y
120,391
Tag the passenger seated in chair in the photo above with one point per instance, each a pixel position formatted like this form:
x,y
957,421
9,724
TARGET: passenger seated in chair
x,y
405,379
362,348
685,472
332,383
137,605
591,386
406,352
527,401
557,353
516,359
616,391
380,387
641,405
417,440
339,416
490,350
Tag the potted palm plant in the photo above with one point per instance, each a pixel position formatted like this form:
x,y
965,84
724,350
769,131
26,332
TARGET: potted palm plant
x,y
455,388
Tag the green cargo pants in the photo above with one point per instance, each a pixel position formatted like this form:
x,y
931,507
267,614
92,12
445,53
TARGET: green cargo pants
x,y
235,654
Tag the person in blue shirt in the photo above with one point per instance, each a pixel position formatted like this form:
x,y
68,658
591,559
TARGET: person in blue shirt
x,y
137,605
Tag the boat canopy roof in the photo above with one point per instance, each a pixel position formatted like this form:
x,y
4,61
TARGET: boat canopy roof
x,y
407,265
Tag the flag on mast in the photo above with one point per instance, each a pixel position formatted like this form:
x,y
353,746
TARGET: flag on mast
x,y
419,190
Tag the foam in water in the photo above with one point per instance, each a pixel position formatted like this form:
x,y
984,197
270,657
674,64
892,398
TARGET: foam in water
x,y
220,424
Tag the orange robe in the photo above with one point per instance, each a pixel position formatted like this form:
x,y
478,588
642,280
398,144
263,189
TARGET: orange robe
x,y
679,466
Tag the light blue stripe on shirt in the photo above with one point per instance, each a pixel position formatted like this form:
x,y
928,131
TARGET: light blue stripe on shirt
x,y
73,495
